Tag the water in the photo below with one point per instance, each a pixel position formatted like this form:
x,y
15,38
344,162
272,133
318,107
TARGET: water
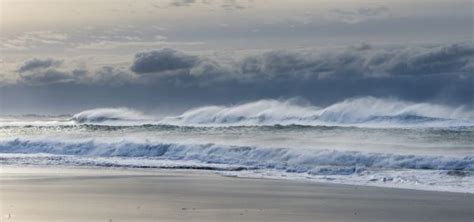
x,y
365,141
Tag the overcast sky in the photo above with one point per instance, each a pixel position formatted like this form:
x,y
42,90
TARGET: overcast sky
x,y
64,56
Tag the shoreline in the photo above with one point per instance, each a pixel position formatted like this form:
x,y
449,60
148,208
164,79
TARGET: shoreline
x,y
270,175
80,194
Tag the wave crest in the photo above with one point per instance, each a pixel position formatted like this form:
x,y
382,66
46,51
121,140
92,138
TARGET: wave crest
x,y
364,111
289,160
108,115
367,110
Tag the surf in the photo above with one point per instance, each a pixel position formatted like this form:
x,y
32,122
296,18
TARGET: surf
x,y
366,111
294,160
426,172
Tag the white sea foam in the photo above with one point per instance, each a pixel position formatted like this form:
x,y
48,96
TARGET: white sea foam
x,y
292,160
365,112
409,153
110,115
334,166
361,111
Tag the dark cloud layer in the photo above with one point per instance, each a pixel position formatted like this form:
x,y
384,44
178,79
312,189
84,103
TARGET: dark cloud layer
x,y
35,63
161,61
354,62
169,78
47,77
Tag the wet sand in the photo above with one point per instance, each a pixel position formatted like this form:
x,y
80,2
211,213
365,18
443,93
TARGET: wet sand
x,y
57,194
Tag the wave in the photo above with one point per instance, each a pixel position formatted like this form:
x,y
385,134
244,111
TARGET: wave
x,y
315,162
102,115
367,110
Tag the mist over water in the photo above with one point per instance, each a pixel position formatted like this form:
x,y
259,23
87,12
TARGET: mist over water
x,y
366,111
370,141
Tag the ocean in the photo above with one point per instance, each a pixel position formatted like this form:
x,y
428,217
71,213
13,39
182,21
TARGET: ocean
x,y
361,141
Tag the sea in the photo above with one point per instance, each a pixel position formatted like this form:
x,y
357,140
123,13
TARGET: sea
x,y
360,141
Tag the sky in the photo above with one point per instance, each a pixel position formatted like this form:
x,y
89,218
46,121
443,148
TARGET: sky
x,y
65,56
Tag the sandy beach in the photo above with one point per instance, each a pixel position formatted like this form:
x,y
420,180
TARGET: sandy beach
x,y
56,194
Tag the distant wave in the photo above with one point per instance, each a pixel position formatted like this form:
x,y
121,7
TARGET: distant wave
x,y
316,162
367,110
109,115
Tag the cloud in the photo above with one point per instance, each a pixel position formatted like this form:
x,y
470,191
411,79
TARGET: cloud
x,y
108,75
50,71
107,45
104,75
280,64
453,58
232,5
32,39
229,5
362,61
50,76
441,74
161,61
360,14
35,63
410,72
180,3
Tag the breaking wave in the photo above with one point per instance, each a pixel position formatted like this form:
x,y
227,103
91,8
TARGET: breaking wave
x,y
102,115
367,110
315,162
